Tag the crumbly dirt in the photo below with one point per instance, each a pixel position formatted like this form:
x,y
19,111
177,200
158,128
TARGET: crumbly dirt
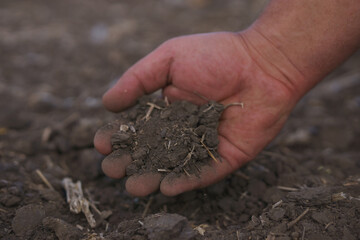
x,y
56,59
163,138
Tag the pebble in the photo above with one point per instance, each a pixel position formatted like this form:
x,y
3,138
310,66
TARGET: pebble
x,y
9,200
277,214
322,217
166,226
62,229
27,218
51,195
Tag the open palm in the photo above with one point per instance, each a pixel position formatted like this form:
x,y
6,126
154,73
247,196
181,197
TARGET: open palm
x,y
217,66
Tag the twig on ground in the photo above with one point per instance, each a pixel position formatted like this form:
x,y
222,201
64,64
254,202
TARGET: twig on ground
x,y
207,109
77,202
328,225
45,136
188,156
277,204
290,189
147,206
292,223
238,234
148,113
163,170
186,172
350,184
44,179
207,149
3,210
303,234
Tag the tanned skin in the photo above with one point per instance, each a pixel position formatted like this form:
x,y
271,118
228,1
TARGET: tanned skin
x,y
268,67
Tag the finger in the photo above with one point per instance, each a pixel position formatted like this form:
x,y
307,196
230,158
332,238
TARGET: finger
x,y
175,94
173,185
114,165
146,76
144,184
102,139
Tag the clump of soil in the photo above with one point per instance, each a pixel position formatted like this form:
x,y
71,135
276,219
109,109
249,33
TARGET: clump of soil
x,y
163,137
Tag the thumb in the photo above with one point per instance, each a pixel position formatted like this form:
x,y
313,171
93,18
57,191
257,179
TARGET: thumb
x,y
146,76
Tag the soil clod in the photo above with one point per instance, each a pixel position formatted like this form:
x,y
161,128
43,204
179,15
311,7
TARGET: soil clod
x,y
27,218
177,137
62,229
168,226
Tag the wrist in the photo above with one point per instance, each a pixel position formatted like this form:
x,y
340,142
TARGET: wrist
x,y
271,58
299,42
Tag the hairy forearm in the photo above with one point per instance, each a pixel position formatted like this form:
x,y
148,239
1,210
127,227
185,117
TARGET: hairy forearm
x,y
304,39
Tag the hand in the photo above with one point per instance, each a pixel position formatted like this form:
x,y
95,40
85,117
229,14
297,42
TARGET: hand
x,y
220,67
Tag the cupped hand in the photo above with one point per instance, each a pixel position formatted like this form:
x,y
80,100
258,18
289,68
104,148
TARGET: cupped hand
x,y
218,66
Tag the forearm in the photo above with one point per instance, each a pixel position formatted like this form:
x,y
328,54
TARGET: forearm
x,y
304,39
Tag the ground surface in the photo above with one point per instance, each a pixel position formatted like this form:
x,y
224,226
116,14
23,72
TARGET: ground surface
x,y
56,61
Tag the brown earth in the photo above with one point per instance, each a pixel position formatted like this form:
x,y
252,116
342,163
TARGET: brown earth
x,y
161,138
56,60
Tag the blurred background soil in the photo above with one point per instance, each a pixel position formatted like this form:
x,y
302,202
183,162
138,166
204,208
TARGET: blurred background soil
x,y
57,58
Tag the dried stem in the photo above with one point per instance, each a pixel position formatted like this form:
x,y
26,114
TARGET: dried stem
x,y
209,152
186,172
147,206
148,113
188,157
44,179
290,189
292,223
3,210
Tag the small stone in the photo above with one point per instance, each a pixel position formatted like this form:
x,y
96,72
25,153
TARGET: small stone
x,y
322,217
280,228
168,226
139,153
295,235
200,130
124,128
14,190
27,218
9,200
51,195
62,229
211,138
277,214
120,137
193,121
165,113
